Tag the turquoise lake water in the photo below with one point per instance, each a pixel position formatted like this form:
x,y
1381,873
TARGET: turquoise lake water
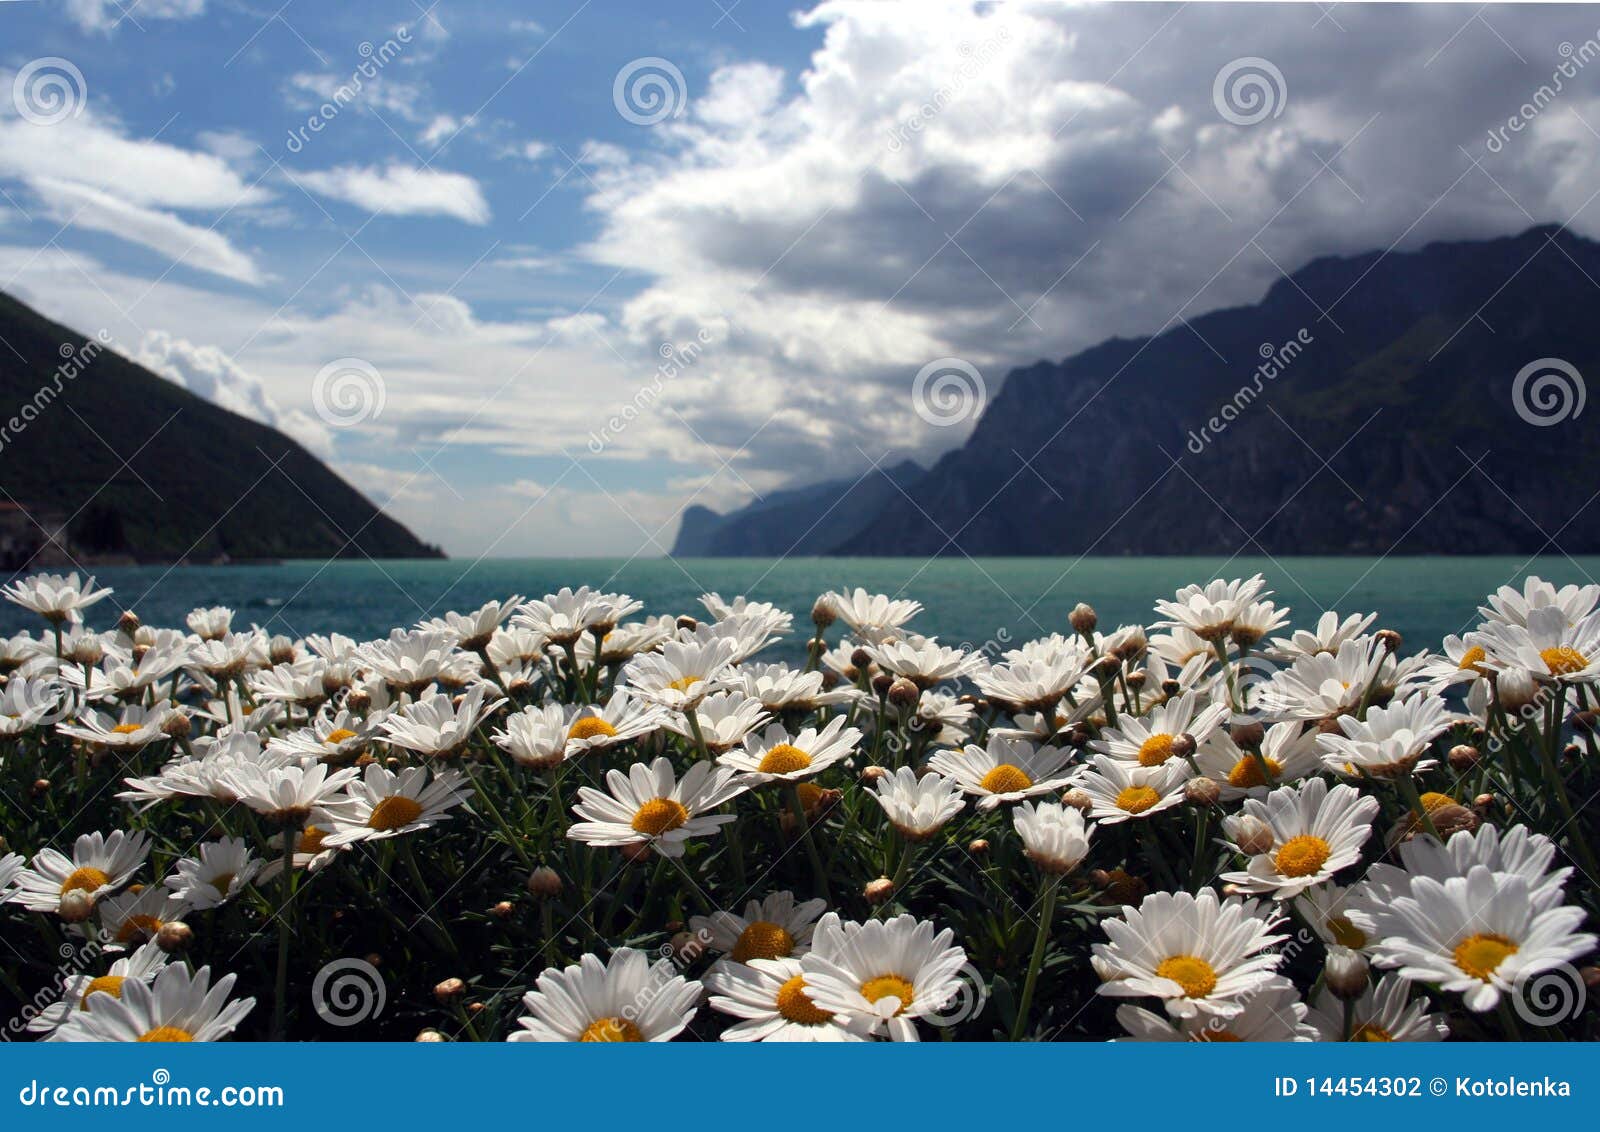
x,y
968,601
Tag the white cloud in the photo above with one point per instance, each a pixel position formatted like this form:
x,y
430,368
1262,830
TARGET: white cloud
x,y
186,244
106,16
401,190
210,373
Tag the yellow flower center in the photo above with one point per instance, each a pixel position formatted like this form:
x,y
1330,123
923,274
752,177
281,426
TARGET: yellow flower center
x,y
310,840
1155,750
795,1005
784,759
1246,773
1191,973
1346,934
166,1034
810,794
1432,801
1370,1032
1302,856
611,1030
138,927
1563,660
1473,659
105,984
1480,955
591,727
339,735
885,985
658,816
684,683
222,882
1137,799
1005,779
393,812
84,880
762,940
126,728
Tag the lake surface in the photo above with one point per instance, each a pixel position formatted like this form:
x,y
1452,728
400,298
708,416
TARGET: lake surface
x,y
976,602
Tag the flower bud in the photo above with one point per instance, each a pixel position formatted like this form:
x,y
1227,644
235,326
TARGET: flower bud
x,y
1201,792
1345,972
1463,758
1389,639
1515,689
1139,679
176,726
1106,667
446,992
1078,799
823,614
1252,835
902,693
1118,887
87,650
280,650
1453,819
860,659
873,774
1170,688
878,891
686,947
635,854
41,786
1182,745
128,623
358,700
544,882
1248,733
503,910
979,847
430,1036
881,683
687,622
76,906
174,936
1083,618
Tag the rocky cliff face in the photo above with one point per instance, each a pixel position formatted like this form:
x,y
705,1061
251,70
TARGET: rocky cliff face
x,y
1365,406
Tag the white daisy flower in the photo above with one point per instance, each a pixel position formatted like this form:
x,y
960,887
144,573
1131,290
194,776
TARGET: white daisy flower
x,y
1548,647
229,655
1481,934
409,661
724,719
1210,611
885,973
721,609
771,998
1288,749
141,965
871,616
535,737
623,643
1147,741
134,916
649,806
774,927
175,1007
1324,685
1336,914
1390,742
626,999
210,624
623,718
1005,770
210,774
25,702
1055,837
1119,792
779,756
750,632
561,618
286,795
437,726
58,598
133,727
1201,955
10,869
779,688
1508,606
1255,621
1516,851
336,738
220,872
683,673
383,804
1274,1013
917,807
299,683
512,647
1332,631
1385,1012
1315,833
1033,685
924,661
100,864
473,631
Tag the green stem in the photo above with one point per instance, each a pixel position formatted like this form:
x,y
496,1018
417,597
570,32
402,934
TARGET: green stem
x,y
1041,938
820,874
281,985
1408,788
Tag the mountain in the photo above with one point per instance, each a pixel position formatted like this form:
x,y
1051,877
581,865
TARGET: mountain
x,y
822,514
138,468
1367,405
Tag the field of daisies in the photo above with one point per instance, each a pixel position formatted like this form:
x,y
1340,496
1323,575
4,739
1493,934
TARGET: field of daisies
x,y
566,819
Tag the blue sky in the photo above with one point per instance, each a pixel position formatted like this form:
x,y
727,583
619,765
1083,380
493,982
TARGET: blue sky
x,y
486,235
